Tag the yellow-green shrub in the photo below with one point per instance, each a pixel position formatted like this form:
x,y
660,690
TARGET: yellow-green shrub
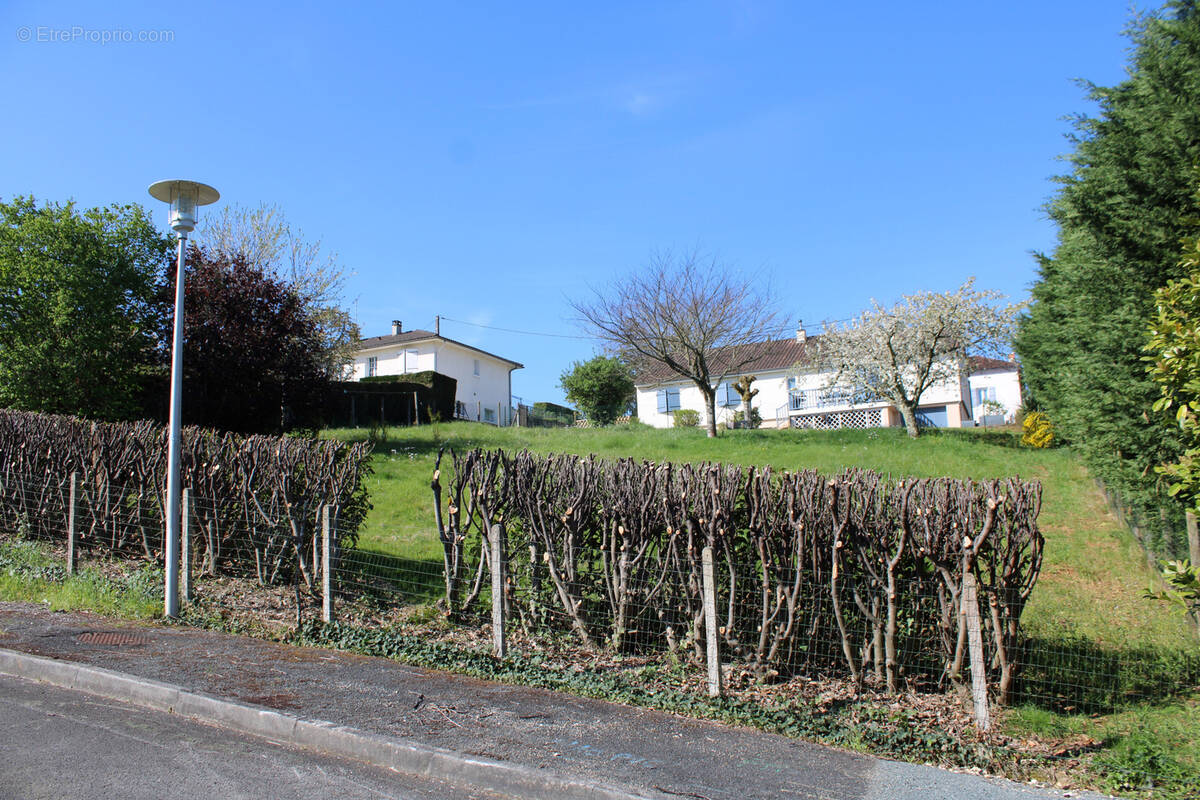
x,y
1038,432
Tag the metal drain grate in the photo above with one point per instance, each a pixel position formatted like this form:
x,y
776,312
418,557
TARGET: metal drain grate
x,y
110,638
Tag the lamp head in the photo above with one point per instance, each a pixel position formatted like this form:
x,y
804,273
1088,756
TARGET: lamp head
x,y
185,197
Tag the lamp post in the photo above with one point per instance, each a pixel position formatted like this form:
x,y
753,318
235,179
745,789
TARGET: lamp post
x,y
185,197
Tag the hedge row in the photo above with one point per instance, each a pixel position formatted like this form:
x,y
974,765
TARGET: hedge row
x,y
853,574
256,499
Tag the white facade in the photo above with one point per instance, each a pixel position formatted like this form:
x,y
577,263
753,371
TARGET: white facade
x,y
484,391
800,398
1001,385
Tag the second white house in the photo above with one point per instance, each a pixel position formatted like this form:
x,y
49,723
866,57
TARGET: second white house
x,y
484,390
794,392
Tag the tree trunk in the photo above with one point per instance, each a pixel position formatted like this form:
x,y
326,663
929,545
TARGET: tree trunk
x,y
710,406
910,417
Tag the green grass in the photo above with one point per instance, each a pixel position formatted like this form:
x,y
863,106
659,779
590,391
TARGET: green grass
x,y
30,573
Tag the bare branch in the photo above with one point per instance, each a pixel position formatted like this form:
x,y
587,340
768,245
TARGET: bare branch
x,y
684,313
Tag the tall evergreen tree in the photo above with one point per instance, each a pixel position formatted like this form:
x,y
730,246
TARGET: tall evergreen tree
x,y
1121,213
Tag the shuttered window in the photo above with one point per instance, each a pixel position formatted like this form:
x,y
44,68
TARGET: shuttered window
x,y
668,400
727,396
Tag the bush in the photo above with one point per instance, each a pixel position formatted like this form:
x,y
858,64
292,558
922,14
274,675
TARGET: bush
x,y
1038,432
739,419
257,499
686,418
911,542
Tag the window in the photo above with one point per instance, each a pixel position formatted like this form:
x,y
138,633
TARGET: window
x,y
489,415
983,394
372,366
477,367
410,361
727,396
668,400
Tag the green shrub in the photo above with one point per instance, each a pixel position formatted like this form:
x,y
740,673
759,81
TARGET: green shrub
x,y
686,418
740,416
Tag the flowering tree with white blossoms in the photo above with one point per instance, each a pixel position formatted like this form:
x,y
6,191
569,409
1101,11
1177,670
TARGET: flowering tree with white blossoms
x,y
898,353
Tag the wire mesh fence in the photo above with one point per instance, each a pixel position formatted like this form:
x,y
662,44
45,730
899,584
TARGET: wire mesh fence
x,y
806,611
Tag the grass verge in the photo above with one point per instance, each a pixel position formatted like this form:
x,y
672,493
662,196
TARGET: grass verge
x,y
31,572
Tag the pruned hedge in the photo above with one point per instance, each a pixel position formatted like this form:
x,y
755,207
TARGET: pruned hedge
x,y
256,499
853,575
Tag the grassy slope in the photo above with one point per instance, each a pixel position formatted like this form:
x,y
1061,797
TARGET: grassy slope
x,y
1094,573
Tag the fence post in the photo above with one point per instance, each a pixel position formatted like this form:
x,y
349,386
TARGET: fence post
x,y
185,546
500,645
711,634
71,525
970,601
316,553
1193,539
326,566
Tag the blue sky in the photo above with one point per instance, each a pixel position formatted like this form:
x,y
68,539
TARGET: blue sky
x,y
489,162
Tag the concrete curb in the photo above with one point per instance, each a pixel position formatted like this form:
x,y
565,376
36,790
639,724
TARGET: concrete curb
x,y
409,758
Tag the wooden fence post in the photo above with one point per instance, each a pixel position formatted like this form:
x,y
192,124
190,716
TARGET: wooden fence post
x,y
711,634
71,524
499,644
1193,539
970,603
185,546
326,565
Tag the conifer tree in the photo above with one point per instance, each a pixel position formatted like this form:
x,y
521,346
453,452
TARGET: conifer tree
x,y
1121,213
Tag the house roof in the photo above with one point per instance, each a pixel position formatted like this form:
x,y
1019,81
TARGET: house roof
x,y
983,363
414,336
768,356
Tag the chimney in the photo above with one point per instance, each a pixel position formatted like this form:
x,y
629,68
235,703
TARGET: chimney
x,y
801,334
397,327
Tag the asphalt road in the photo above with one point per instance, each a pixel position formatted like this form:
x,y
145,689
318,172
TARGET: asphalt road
x,y
55,743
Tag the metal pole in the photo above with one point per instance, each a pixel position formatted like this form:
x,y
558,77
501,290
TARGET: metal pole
x,y
171,546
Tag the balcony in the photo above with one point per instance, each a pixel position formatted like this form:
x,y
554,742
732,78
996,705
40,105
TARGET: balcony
x,y
800,400
831,408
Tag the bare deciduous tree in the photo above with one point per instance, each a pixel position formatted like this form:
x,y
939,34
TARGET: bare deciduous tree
x,y
265,238
688,314
898,353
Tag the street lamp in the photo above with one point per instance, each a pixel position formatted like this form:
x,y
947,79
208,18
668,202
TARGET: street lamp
x,y
185,197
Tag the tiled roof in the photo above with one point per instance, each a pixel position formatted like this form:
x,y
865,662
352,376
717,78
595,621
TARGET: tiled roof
x,y
771,355
981,363
413,336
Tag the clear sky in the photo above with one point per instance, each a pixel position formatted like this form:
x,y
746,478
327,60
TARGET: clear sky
x,y
491,161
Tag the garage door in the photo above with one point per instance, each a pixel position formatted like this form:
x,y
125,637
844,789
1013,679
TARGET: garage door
x,y
932,417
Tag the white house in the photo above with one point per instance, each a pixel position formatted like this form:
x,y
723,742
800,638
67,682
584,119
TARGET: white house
x,y
792,392
484,390
994,381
